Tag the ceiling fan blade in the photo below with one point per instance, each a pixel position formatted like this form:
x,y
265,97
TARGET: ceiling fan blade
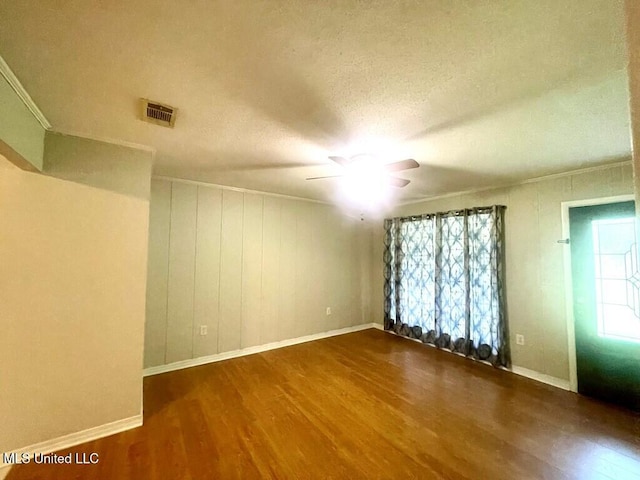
x,y
407,164
398,182
327,176
340,160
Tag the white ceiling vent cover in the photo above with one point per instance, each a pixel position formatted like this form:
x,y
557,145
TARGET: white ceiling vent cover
x,y
158,113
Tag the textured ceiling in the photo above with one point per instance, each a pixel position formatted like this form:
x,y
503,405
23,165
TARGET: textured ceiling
x,y
481,93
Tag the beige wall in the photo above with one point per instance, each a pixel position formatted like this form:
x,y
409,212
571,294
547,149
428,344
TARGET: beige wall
x,y
534,261
254,268
72,299
21,136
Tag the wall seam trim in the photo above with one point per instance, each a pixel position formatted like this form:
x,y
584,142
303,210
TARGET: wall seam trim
x,y
166,313
195,327
242,272
219,274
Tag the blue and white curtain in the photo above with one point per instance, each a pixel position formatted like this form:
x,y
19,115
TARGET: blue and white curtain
x,y
444,281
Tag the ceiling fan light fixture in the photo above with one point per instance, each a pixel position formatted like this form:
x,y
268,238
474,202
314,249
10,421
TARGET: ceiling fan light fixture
x,y
367,183
366,190
366,168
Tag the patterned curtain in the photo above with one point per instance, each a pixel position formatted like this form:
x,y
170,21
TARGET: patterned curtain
x,y
444,281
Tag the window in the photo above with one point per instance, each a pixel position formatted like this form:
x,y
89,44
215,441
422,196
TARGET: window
x,y
443,280
617,278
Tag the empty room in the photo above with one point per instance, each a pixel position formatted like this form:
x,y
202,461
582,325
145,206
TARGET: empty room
x,y
298,239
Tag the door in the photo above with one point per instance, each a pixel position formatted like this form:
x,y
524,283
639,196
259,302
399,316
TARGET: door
x,y
606,296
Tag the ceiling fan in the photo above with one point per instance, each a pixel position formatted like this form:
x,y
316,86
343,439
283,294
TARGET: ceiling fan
x,y
358,166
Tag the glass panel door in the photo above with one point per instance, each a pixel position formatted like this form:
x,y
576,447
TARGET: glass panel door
x,y
604,268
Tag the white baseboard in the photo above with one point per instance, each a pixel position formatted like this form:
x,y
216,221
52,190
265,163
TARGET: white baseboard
x,y
118,426
194,362
541,377
73,439
524,372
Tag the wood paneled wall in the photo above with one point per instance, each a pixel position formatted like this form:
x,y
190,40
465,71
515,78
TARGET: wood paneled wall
x,y
535,276
253,268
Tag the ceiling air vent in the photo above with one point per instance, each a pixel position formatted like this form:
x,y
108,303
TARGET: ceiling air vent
x,y
158,113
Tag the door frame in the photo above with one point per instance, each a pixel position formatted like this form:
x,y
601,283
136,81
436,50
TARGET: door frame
x,y
568,281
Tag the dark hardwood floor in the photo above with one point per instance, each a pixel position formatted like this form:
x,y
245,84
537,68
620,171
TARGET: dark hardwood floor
x,y
363,405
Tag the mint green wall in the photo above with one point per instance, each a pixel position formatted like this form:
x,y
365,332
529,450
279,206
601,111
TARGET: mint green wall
x,y
19,129
98,164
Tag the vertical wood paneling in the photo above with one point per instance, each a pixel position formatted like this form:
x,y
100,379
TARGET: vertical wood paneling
x,y
252,271
376,281
523,249
207,275
318,256
286,327
157,274
271,277
255,269
363,272
182,249
334,271
305,275
230,321
343,277
354,274
289,266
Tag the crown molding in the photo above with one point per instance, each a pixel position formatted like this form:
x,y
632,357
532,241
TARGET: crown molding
x,y
596,168
166,178
542,178
17,87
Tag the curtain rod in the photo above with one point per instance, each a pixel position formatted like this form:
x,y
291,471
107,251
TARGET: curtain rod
x,y
450,213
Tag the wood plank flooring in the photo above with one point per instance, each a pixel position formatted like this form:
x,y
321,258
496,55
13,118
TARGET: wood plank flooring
x,y
364,405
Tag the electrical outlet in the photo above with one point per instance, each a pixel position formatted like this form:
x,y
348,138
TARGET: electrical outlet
x,y
520,339
203,330
328,310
